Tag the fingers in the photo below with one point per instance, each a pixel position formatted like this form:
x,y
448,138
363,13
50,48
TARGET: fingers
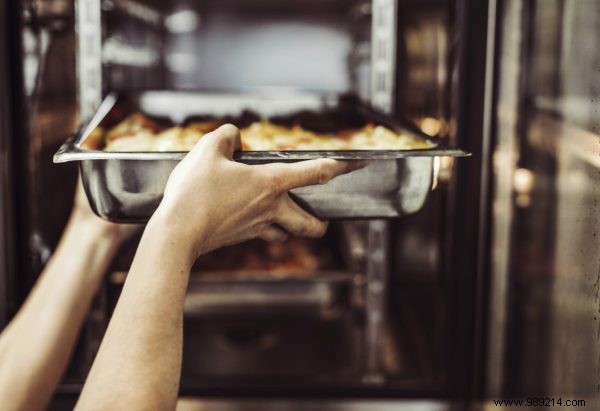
x,y
297,221
225,140
310,172
273,234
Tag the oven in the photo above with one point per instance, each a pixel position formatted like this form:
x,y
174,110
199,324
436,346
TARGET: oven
x,y
439,309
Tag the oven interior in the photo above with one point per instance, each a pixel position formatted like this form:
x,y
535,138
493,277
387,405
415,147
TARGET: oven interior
x,y
397,313
363,309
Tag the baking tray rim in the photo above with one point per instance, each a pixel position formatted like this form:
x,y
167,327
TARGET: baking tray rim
x,y
70,152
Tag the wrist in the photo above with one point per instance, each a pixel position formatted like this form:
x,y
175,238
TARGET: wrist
x,y
84,252
94,227
90,234
183,237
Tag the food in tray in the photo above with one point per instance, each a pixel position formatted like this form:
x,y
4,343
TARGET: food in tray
x,y
139,133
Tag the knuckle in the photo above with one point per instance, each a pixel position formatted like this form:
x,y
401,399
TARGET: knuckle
x,y
221,136
256,229
324,172
311,227
319,228
304,229
229,128
270,216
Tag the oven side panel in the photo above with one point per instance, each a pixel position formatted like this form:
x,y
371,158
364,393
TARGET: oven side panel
x,y
9,129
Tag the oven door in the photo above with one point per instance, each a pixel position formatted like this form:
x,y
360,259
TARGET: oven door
x,y
544,323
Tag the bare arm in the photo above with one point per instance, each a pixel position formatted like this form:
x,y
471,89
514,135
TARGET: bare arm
x,y
36,346
210,201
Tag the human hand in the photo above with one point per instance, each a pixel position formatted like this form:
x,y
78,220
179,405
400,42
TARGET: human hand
x,y
211,201
86,222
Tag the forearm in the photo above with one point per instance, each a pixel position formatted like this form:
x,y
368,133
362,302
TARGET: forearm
x,y
143,343
36,346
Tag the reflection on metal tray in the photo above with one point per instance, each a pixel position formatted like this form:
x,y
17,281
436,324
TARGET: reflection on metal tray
x,y
127,187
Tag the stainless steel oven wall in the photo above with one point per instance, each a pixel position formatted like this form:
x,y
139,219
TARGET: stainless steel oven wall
x,y
133,43
544,318
259,44
120,46
427,44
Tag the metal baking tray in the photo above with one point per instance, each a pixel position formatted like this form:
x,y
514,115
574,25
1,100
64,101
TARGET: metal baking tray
x,y
128,186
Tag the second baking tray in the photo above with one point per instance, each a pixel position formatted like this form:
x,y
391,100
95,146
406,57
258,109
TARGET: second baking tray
x,y
128,186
